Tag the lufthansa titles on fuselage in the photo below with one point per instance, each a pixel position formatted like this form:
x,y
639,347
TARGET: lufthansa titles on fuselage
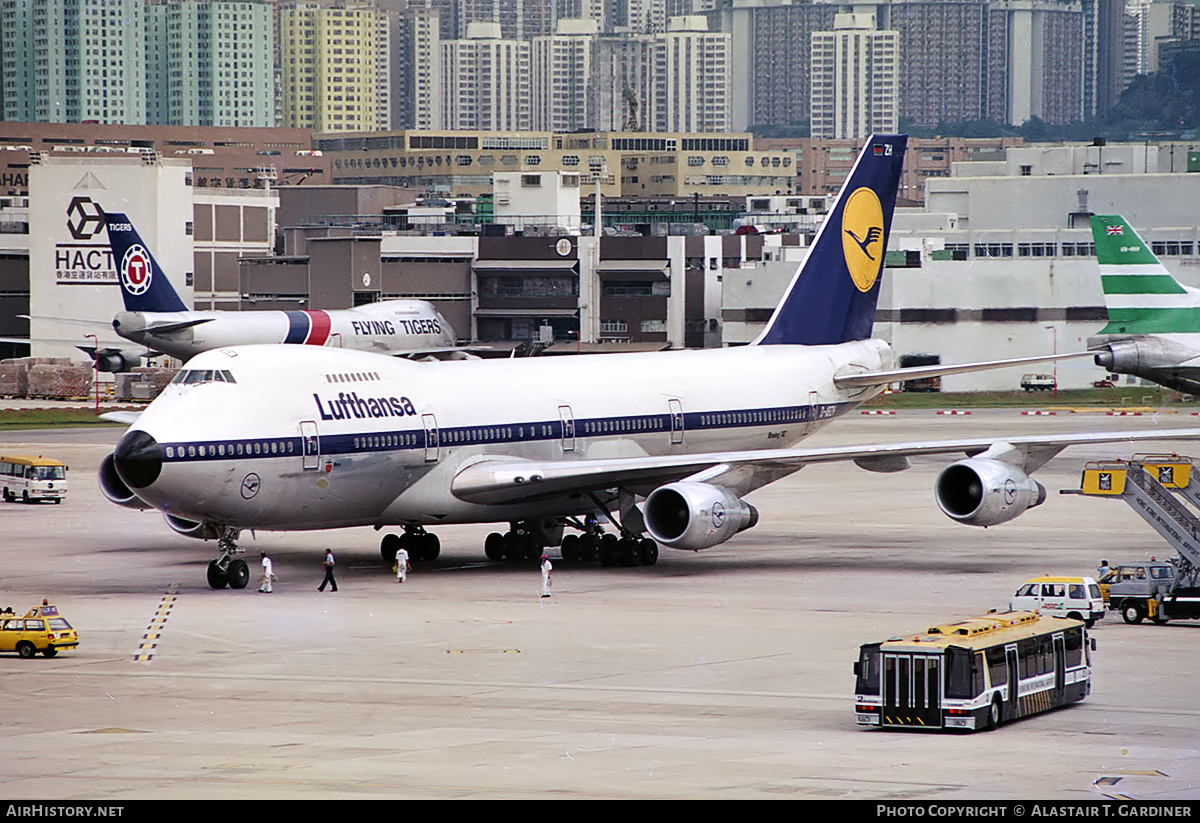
x,y
348,405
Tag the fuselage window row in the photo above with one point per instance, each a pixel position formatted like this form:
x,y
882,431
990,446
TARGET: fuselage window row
x,y
493,434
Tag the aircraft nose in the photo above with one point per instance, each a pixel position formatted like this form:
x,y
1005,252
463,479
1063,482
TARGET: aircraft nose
x,y
138,459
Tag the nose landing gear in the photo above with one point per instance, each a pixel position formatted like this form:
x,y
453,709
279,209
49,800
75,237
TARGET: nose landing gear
x,y
228,570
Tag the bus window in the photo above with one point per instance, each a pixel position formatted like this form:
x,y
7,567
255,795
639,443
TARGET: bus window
x,y
997,666
868,670
1073,642
964,675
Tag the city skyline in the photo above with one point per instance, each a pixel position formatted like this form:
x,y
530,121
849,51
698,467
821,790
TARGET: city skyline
x,y
658,65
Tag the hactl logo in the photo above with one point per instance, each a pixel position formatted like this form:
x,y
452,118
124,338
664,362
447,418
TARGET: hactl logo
x,y
85,218
88,259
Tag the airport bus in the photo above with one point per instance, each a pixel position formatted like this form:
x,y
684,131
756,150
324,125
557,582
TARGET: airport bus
x,y
32,478
976,673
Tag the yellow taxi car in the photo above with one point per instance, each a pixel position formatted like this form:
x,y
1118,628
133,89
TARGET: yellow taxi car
x,y
42,629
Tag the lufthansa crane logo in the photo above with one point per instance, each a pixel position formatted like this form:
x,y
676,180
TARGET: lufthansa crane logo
x,y
135,270
862,237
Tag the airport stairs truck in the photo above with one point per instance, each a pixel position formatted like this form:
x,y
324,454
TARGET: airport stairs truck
x,y
1161,489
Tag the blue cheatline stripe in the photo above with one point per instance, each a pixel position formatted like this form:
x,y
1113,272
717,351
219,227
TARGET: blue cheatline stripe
x,y
460,436
298,326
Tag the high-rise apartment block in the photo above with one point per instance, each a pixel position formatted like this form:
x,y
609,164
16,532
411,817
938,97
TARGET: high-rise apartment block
x,y
1006,60
74,60
855,81
693,77
183,62
485,81
213,64
334,65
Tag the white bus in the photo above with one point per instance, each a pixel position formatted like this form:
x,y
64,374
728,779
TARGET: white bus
x,y
29,479
976,673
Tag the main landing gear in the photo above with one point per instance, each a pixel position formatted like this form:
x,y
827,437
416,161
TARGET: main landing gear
x,y
420,544
528,541
228,570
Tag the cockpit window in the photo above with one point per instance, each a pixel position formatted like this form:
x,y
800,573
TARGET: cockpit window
x,y
194,376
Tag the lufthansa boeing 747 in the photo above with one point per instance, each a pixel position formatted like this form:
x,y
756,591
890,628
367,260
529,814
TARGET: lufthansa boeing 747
x,y
664,446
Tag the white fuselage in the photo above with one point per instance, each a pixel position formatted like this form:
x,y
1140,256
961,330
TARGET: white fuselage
x,y
388,327
323,438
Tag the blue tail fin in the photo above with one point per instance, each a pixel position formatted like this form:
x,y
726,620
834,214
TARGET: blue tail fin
x,y
144,287
832,296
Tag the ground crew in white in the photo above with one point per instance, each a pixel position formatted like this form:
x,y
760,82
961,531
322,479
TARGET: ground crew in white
x,y
268,575
546,569
401,565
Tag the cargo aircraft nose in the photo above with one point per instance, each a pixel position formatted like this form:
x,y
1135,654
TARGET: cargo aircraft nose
x,y
138,459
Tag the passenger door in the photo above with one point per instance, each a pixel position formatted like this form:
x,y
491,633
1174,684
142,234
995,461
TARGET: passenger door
x,y
431,437
567,419
310,445
675,408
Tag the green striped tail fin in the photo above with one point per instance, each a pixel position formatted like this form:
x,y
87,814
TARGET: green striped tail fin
x,y
1141,295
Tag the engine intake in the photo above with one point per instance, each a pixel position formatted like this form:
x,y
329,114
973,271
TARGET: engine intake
x,y
691,515
114,488
984,492
192,528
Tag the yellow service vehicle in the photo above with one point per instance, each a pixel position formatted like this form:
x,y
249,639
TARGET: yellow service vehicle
x,y
42,629
32,478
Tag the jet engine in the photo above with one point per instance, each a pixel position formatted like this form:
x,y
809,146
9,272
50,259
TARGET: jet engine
x,y
690,515
984,492
1154,358
116,361
114,487
190,528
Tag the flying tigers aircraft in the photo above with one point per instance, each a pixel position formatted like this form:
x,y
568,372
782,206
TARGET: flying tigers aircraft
x,y
664,446
155,317
1153,319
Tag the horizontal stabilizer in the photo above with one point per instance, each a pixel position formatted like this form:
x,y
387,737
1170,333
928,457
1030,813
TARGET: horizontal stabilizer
x,y
169,328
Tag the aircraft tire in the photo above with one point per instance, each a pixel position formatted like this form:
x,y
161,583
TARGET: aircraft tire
x,y
238,573
388,546
608,550
493,546
647,551
572,548
428,547
216,576
588,543
627,552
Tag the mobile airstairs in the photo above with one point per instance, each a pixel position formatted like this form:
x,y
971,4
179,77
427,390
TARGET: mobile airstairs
x,y
1163,489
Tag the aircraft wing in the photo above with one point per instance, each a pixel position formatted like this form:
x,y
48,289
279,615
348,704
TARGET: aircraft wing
x,y
70,321
880,378
508,480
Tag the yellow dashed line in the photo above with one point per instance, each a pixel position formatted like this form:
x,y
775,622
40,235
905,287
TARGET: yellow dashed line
x,y
149,644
